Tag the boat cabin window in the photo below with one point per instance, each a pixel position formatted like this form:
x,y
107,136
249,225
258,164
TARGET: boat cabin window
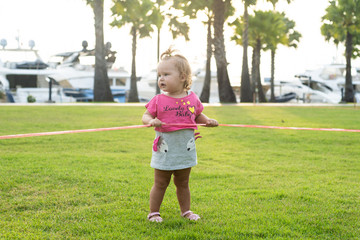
x,y
27,81
119,82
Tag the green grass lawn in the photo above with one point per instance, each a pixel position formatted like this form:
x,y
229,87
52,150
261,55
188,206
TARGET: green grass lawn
x,y
249,183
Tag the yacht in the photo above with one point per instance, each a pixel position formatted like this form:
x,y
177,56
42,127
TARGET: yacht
x,y
75,73
330,79
24,77
295,91
325,84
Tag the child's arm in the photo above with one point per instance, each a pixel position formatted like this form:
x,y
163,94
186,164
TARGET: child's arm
x,y
203,119
148,119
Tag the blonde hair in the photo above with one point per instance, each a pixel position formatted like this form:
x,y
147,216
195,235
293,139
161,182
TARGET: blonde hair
x,y
181,63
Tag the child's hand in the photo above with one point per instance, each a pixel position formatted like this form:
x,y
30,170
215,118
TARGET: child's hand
x,y
155,123
211,123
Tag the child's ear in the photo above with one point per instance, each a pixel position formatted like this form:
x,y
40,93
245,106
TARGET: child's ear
x,y
182,77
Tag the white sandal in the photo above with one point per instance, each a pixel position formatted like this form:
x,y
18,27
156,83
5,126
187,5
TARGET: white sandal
x,y
154,217
190,215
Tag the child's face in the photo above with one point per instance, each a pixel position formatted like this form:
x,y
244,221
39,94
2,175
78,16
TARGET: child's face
x,y
169,77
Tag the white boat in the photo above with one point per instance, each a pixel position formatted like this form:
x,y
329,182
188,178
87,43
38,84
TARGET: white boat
x,y
75,73
321,85
76,76
24,77
304,93
332,76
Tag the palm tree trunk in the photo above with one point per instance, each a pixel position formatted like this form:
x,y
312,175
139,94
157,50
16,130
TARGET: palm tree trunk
x,y
205,93
349,91
158,58
246,94
102,92
272,97
226,92
253,76
257,77
133,95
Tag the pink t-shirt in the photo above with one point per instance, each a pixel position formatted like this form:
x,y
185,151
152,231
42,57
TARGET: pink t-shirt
x,y
175,110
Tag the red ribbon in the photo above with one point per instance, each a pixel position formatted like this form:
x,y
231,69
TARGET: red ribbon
x,y
173,124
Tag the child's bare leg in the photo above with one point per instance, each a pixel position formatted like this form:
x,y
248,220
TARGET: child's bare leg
x,y
181,180
161,182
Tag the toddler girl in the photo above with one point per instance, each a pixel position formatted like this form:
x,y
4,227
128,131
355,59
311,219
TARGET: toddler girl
x,y
174,150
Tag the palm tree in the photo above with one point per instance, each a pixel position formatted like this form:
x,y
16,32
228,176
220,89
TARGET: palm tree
x,y
342,24
245,95
205,93
140,14
282,32
220,9
102,92
191,8
266,31
289,37
259,28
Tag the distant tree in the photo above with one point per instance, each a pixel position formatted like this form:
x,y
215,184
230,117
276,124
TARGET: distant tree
x,y
266,31
245,95
341,23
205,93
220,9
141,15
246,92
259,28
289,38
283,33
191,8
102,92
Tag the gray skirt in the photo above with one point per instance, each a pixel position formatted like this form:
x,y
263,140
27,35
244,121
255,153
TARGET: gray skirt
x,y
174,150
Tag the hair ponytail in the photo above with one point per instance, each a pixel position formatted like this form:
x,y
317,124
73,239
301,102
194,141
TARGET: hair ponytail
x,y
167,54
